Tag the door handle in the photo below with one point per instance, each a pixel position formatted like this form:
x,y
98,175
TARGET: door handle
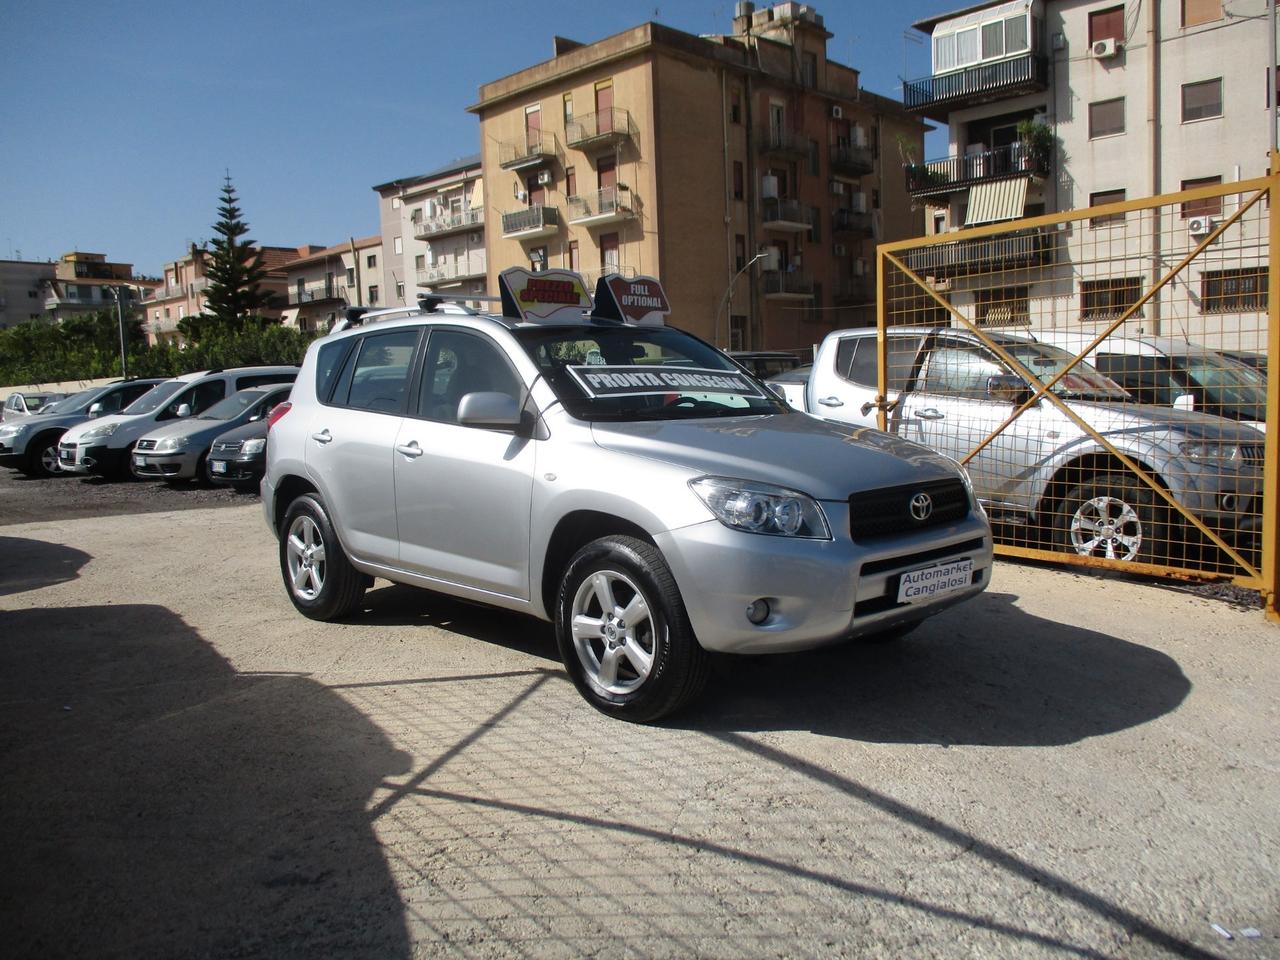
x,y
831,401
324,436
410,449
930,413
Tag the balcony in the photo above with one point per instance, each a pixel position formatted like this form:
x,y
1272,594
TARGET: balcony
x,y
592,277
532,150
854,290
605,127
849,221
604,206
787,285
938,178
936,96
450,223
776,214
529,223
169,292
1013,251
784,143
316,293
454,271
852,161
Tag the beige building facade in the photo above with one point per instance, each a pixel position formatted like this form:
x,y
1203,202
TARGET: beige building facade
x,y
322,283
745,171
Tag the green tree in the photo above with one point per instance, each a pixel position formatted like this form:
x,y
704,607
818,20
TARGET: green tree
x,y
234,297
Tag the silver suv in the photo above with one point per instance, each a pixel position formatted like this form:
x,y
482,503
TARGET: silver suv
x,y
593,467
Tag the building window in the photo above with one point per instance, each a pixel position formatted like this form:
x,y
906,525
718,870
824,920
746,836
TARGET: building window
x,y
1206,206
570,182
351,276
373,295
568,108
875,198
395,203
739,251
814,169
419,261
1232,291
400,290
1106,25
371,261
1001,306
538,259
398,245
815,225
1106,118
809,69
1201,101
573,256
1101,198
739,179
735,106
737,331
1196,12
1107,299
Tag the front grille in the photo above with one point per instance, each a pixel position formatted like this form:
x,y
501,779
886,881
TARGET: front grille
x,y
227,446
146,445
878,513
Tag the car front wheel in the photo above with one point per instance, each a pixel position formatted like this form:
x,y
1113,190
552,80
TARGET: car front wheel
x,y
321,581
623,632
42,458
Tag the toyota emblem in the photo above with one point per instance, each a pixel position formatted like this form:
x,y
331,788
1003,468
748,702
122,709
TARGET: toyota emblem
x,y
921,506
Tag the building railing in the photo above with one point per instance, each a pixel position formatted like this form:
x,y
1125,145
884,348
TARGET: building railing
x,y
451,270
473,217
849,221
534,147
774,140
592,277
611,123
954,173
1010,251
856,289
602,203
984,81
777,210
314,292
787,282
855,160
537,217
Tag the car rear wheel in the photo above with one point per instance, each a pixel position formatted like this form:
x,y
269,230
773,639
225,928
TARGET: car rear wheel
x,y
321,581
623,632
1113,518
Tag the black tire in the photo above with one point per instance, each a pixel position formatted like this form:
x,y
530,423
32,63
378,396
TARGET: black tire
x,y
331,587
678,666
1112,516
37,462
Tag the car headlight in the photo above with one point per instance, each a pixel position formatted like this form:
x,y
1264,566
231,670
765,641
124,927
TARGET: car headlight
x,y
762,508
171,444
98,432
1209,450
13,430
257,445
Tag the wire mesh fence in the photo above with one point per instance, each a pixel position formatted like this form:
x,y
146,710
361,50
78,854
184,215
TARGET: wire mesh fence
x,y
1102,374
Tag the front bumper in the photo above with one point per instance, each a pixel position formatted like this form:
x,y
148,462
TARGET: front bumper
x,y
237,470
819,591
163,466
96,459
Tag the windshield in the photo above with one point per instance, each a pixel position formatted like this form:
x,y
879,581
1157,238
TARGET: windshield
x,y
77,401
233,406
643,373
1082,383
154,398
35,401
1226,389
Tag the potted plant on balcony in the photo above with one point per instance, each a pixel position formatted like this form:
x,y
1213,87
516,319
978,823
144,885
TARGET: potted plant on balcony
x,y
1034,146
916,172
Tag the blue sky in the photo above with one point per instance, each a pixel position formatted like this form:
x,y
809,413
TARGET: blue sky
x,y
119,118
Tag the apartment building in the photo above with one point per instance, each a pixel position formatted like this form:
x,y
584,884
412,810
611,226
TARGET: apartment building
x,y
23,284
433,235
324,282
180,292
88,282
746,171
1128,100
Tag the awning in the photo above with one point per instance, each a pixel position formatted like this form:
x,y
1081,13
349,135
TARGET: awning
x,y
477,195
982,15
996,200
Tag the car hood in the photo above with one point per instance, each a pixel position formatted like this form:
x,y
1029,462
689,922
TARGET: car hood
x,y
192,427
247,431
84,427
1141,417
826,460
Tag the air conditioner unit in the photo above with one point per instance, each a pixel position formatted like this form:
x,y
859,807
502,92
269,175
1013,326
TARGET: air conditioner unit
x,y
858,202
839,249
1200,226
522,196
837,112
837,188
1102,49
544,177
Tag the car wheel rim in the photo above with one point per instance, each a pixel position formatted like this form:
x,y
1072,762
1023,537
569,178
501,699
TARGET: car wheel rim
x,y
1106,527
305,552
49,460
613,632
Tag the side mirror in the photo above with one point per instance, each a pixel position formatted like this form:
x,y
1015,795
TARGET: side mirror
x,y
495,411
184,410
95,409
1007,388
1184,401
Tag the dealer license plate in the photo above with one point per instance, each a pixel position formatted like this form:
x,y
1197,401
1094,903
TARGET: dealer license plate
x,y
218,466
929,582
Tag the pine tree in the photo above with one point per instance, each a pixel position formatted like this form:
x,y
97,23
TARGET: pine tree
x,y
234,296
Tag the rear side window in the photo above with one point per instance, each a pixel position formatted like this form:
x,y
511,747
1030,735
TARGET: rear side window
x,y
856,360
329,361
380,374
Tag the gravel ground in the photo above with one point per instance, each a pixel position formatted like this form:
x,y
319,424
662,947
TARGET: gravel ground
x,y
69,496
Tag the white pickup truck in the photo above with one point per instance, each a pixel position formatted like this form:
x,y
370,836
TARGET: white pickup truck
x,y
950,391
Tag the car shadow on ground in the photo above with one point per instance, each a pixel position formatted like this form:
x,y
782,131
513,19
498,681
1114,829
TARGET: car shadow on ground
x,y
158,803
32,564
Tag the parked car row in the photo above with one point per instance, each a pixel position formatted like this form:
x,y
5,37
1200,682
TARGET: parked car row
x,y
155,429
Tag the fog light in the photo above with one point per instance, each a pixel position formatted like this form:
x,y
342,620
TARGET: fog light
x,y
758,611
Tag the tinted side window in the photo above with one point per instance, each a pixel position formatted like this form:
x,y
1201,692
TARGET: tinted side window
x,y
380,376
459,363
959,371
857,360
329,363
207,394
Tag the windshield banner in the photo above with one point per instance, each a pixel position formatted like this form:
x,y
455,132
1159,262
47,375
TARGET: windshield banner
x,y
631,381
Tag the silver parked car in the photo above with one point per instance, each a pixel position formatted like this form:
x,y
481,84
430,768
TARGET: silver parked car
x,y
589,465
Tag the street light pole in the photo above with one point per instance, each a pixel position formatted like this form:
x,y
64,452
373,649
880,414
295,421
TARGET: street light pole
x,y
728,295
124,364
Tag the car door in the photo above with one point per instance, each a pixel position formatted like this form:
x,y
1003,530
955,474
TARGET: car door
x,y
351,440
463,493
856,381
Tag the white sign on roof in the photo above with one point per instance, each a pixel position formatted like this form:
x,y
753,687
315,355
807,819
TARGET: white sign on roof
x,y
550,296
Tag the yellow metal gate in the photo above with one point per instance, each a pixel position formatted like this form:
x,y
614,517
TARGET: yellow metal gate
x,y
1103,375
